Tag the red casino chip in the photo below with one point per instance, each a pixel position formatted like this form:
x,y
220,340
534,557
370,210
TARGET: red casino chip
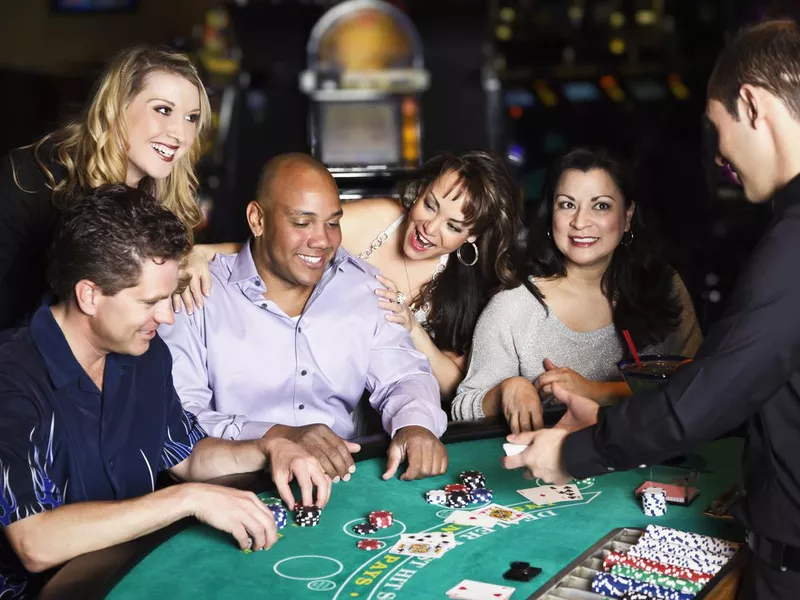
x,y
370,544
381,518
455,487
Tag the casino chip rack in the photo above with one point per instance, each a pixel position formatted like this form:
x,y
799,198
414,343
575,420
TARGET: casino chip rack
x,y
636,564
364,78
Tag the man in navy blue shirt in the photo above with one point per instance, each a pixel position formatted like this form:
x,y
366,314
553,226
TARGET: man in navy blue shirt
x,y
90,415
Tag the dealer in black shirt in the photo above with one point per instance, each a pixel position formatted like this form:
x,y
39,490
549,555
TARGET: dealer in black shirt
x,y
747,370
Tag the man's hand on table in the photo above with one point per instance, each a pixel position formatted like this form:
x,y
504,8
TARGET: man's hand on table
x,y
240,513
426,455
332,452
290,461
542,457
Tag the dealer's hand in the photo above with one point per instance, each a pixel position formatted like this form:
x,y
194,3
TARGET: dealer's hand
x,y
426,455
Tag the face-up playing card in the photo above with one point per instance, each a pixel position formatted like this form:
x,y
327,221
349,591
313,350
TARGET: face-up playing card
x,y
470,517
476,590
427,545
502,513
552,494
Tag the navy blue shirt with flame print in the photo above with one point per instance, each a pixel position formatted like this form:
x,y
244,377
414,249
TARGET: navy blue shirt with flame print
x,y
62,440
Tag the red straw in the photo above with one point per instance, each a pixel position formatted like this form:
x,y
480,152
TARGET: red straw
x,y
628,339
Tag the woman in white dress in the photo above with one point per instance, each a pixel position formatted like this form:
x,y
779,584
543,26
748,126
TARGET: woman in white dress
x,y
443,250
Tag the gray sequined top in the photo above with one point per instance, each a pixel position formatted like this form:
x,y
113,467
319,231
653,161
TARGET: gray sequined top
x,y
514,335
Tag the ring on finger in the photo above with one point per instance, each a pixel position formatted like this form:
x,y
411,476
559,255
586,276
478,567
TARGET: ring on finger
x,y
400,298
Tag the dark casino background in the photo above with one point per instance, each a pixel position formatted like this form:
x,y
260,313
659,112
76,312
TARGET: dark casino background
x,y
526,78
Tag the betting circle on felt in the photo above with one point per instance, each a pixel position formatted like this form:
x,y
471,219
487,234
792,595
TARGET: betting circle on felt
x,y
324,562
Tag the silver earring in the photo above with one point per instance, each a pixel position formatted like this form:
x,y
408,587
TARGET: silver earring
x,y
549,235
461,260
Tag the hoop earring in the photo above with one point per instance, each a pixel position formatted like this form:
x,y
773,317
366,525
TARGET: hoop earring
x,y
461,260
629,241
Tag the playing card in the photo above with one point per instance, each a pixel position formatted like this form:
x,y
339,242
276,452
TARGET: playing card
x,y
502,513
433,537
421,549
470,517
432,545
513,449
552,494
476,590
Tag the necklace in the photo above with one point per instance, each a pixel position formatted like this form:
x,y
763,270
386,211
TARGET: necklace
x,y
440,266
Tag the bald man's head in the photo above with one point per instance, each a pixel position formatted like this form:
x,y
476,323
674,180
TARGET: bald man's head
x,y
292,172
295,220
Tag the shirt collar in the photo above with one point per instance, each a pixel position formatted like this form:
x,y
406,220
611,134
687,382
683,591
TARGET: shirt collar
x,y
244,267
62,366
787,196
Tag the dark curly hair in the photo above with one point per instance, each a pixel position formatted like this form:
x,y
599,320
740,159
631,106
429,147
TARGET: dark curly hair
x,y
106,236
638,282
492,213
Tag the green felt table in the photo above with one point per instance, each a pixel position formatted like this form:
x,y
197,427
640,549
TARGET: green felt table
x,y
324,562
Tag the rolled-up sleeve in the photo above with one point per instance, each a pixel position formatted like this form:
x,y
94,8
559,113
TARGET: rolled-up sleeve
x,y
402,388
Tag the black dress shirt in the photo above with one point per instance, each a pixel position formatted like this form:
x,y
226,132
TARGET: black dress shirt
x,y
28,219
62,440
747,371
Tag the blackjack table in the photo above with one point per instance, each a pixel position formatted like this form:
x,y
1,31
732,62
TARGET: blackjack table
x,y
190,560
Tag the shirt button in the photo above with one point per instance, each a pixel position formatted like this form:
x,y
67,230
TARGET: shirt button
x,y
111,464
642,466
303,372
257,281
299,330
301,407
609,469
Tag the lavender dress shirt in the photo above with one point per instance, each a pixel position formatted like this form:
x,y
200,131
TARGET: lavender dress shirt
x,y
241,365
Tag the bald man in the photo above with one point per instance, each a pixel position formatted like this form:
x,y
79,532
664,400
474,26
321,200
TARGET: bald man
x,y
292,335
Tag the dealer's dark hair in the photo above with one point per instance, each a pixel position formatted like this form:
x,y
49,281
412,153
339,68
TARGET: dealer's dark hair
x,y
766,55
106,236
491,212
638,282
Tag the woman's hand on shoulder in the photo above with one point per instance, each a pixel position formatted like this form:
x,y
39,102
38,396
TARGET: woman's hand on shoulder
x,y
397,312
195,281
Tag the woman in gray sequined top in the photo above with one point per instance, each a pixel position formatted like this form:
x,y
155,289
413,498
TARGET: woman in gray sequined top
x,y
591,274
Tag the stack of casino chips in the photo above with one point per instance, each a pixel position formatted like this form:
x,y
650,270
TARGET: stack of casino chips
x,y
378,519
457,495
665,563
470,490
307,516
476,485
436,497
654,502
381,519
280,513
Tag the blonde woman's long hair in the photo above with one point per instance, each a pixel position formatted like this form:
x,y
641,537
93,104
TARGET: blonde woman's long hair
x,y
93,147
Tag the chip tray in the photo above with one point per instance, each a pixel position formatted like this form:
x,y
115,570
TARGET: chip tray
x,y
574,582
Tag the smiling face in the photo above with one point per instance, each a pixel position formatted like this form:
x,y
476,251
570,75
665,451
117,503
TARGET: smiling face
x,y
297,230
589,217
435,223
162,125
126,322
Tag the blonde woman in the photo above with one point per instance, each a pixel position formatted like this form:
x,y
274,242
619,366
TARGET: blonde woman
x,y
142,127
